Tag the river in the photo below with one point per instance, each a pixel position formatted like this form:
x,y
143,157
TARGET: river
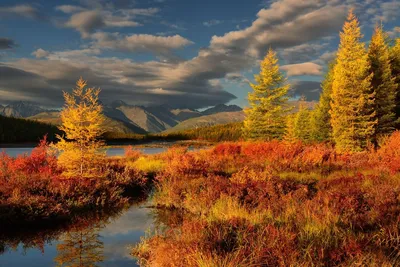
x,y
111,151
89,243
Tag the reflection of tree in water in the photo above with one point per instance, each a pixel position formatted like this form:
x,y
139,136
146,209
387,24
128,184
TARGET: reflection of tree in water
x,y
80,248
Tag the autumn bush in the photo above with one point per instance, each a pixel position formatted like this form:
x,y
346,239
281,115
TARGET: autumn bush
x,y
276,204
33,189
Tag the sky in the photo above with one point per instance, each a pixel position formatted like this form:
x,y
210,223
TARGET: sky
x,y
182,53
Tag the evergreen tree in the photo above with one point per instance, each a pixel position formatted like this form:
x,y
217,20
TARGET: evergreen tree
x,y
321,129
353,101
265,119
290,135
383,83
302,122
395,60
82,121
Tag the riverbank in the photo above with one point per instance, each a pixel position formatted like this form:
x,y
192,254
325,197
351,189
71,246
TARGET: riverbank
x,y
127,142
33,190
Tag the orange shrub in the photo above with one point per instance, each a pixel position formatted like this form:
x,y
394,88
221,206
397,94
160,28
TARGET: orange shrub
x,y
389,154
132,154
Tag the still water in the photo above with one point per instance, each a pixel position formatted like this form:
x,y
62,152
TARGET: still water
x,y
100,241
112,151
93,242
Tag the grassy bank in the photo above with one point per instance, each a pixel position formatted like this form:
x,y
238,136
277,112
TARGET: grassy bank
x,y
33,190
277,204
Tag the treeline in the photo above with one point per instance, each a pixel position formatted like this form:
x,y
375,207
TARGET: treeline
x,y
216,133
14,130
360,101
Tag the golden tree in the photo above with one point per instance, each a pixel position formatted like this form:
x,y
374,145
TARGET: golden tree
x,y
265,119
395,61
82,119
352,100
383,83
302,122
320,121
290,134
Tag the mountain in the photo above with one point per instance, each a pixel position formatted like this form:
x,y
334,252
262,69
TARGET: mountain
x,y
110,124
185,114
125,118
209,120
51,117
221,108
117,103
152,119
20,109
142,118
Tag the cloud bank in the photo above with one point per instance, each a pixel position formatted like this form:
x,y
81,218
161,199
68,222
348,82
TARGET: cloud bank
x,y
300,31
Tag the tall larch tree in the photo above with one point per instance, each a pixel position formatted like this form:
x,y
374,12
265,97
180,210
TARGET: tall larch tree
x,y
265,119
395,61
82,119
353,100
290,134
321,129
302,122
383,83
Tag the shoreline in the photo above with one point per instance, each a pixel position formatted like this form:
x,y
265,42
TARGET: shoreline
x,y
114,143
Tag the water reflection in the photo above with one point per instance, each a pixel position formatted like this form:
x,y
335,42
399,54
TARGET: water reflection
x,y
96,239
111,151
81,248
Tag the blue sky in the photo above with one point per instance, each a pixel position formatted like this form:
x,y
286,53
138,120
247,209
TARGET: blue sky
x,y
182,53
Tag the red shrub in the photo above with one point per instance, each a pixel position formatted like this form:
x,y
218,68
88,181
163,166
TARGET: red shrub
x,y
389,154
227,149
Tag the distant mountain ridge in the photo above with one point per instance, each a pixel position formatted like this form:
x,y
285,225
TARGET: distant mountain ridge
x,y
208,120
125,118
221,108
20,109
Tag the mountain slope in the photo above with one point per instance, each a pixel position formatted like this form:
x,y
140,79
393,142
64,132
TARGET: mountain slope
x,y
185,114
110,124
20,110
209,120
221,108
146,120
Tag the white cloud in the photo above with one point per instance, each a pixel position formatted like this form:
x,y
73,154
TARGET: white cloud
x,y
40,53
286,23
95,16
140,42
68,9
24,10
307,68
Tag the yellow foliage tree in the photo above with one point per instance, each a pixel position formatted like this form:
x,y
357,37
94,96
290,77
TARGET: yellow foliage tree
x,y
395,61
383,83
353,100
82,119
266,117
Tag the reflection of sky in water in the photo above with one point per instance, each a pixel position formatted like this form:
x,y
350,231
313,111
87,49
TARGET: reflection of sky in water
x,y
118,235
113,151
